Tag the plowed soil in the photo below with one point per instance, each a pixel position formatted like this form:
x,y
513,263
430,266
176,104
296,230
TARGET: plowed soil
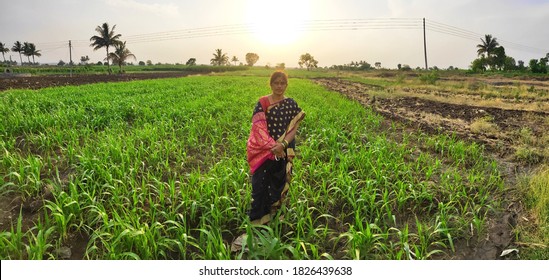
x,y
449,117
457,119
37,82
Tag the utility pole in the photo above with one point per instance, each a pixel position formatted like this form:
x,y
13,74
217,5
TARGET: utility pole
x,y
70,57
425,45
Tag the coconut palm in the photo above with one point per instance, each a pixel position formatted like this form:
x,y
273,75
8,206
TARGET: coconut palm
x,y
219,58
3,50
105,39
120,54
234,59
26,51
29,49
18,48
35,52
488,45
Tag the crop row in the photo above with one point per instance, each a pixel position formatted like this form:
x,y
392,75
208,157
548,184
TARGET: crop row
x,y
157,170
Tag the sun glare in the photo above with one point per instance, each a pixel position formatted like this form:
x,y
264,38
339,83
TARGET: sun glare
x,y
277,22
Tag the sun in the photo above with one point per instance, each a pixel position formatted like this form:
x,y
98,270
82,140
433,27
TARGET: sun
x,y
278,22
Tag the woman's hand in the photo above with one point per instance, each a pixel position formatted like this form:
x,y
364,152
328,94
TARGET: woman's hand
x,y
278,150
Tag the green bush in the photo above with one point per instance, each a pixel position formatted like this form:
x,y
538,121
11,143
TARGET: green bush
x,y
429,78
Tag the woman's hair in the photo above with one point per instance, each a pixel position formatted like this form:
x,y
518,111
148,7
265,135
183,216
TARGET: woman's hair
x,y
278,74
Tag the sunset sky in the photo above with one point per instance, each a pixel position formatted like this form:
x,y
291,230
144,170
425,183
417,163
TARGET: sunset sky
x,y
333,31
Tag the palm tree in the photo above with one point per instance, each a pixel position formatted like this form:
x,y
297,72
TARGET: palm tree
x,y
35,52
120,54
3,50
488,45
29,49
234,59
219,58
105,39
18,48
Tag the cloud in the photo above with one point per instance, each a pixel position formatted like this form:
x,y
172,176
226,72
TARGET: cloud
x,y
170,10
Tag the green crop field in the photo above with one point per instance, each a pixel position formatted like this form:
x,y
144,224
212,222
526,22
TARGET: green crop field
x,y
157,170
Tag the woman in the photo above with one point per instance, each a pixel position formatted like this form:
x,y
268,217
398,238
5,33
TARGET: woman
x,y
270,148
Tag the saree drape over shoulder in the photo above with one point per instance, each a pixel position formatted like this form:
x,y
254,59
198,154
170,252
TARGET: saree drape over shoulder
x,y
271,176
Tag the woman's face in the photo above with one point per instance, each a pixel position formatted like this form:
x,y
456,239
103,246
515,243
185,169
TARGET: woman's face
x,y
279,86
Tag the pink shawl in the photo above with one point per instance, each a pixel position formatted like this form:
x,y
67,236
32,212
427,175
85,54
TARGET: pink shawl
x,y
258,148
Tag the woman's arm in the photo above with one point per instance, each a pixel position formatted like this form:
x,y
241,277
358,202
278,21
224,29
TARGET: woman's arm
x,y
279,150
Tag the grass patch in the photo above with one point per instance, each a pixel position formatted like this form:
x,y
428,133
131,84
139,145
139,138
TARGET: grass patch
x,y
429,78
484,126
534,231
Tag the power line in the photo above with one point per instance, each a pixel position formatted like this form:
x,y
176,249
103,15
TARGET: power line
x,y
470,35
326,25
453,29
310,25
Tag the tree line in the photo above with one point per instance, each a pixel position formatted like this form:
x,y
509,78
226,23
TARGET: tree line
x,y
221,59
107,38
491,56
27,49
